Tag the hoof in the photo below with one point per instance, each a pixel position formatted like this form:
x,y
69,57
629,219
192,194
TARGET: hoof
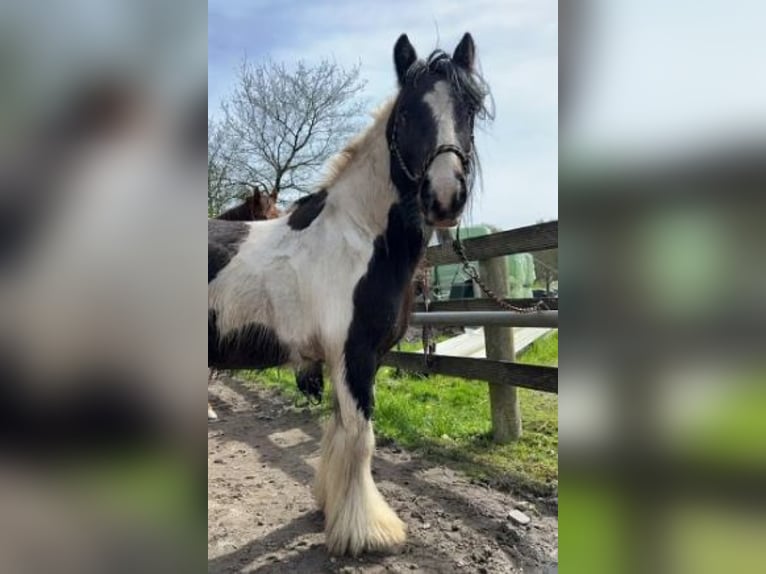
x,y
382,532
211,415
319,496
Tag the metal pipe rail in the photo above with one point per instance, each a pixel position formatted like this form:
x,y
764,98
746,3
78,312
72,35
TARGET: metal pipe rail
x,y
548,319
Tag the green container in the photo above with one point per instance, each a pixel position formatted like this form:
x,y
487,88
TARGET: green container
x,y
452,282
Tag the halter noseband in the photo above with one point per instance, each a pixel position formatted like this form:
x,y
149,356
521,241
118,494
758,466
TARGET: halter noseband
x,y
465,158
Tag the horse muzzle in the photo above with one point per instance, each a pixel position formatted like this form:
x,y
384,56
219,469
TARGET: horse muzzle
x,y
444,199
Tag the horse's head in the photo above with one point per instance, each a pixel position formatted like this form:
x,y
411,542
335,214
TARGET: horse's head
x,y
263,205
269,205
430,133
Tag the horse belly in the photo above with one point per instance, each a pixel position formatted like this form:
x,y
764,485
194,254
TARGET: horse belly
x,y
252,346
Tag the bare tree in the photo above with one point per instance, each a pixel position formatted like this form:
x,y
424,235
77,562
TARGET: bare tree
x,y
218,160
282,124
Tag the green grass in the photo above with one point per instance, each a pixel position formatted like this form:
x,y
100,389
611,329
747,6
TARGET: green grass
x,y
448,420
284,381
544,351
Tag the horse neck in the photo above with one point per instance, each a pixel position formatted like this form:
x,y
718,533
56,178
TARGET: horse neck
x,y
363,191
254,208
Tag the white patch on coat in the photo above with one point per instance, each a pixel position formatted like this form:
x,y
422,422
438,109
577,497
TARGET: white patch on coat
x,y
357,518
442,171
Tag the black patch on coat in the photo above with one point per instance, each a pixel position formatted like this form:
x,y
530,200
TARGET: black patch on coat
x,y
223,240
306,210
310,381
253,346
378,301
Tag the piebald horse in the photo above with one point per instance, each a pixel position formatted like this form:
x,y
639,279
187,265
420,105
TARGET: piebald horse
x,y
326,282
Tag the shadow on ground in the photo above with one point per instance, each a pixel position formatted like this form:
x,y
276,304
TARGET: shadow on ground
x,y
261,516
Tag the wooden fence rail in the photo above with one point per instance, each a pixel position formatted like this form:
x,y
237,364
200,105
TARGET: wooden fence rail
x,y
522,240
533,377
499,369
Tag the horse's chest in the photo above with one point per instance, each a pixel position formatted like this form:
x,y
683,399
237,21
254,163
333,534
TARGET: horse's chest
x,y
379,314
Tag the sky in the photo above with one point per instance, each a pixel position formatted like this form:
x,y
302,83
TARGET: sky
x,y
517,49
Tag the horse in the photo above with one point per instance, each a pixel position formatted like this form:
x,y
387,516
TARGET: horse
x,y
326,283
256,207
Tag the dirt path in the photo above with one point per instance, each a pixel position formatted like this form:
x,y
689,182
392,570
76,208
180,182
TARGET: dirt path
x,y
261,515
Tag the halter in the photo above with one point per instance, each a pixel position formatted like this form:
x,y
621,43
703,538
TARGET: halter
x,y
465,158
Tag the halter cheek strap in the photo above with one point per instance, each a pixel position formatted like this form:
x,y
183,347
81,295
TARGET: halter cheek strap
x,y
444,148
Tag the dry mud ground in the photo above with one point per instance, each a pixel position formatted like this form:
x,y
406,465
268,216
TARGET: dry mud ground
x,y
261,516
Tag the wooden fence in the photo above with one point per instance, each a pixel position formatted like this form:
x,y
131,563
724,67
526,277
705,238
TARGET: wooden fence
x,y
499,369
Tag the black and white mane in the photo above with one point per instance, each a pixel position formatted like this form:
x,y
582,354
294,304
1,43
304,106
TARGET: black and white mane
x,y
327,282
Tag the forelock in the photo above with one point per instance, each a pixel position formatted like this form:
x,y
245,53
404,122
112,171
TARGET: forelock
x,y
467,86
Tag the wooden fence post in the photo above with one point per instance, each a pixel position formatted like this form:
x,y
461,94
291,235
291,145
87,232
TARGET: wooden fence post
x,y
503,399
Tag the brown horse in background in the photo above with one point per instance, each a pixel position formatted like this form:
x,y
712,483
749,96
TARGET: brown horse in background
x,y
258,206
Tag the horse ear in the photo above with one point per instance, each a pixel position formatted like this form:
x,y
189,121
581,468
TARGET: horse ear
x,y
404,57
465,53
273,195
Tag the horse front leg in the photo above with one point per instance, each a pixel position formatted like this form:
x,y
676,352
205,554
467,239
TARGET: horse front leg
x,y
310,381
357,518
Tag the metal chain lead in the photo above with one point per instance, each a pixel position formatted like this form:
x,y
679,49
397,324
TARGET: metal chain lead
x,y
473,273
429,346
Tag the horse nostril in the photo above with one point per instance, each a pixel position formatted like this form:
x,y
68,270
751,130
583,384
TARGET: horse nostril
x,y
463,191
458,200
